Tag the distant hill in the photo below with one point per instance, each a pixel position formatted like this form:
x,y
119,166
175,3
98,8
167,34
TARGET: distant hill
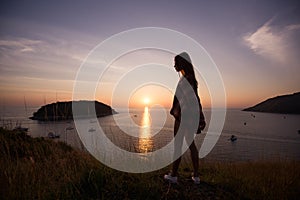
x,y
63,110
286,104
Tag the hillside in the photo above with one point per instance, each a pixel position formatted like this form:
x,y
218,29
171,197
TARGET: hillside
x,y
285,104
63,110
37,168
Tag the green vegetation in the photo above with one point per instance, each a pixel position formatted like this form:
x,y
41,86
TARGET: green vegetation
x,y
37,168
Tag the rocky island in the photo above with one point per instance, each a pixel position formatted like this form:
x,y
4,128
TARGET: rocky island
x,y
285,104
63,110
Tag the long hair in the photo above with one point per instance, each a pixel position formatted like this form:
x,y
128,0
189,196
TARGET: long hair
x,y
185,62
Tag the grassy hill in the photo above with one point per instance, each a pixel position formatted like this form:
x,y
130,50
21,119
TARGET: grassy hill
x,y
286,104
37,168
63,110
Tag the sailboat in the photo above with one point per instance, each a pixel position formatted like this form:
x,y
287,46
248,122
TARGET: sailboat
x,y
51,134
18,126
91,121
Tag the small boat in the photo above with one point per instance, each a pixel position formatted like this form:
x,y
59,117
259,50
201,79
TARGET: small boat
x,y
20,128
69,128
233,138
92,130
52,135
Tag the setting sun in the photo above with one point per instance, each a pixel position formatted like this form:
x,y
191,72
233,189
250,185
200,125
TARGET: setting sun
x,y
150,95
146,100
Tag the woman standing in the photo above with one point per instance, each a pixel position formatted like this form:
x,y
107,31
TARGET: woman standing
x,y
186,110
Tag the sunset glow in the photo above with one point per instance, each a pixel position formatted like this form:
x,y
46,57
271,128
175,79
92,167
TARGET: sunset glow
x,y
159,96
145,140
146,101
257,54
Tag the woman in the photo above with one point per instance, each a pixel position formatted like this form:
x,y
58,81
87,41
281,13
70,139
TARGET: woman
x,y
186,110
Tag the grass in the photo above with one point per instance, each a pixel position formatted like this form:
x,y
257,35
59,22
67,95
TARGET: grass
x,y
37,168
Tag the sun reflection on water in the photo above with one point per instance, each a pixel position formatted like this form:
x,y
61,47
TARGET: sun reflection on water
x,y
145,140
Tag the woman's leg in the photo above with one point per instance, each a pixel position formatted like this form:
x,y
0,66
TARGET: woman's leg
x,y
175,167
190,140
177,149
195,158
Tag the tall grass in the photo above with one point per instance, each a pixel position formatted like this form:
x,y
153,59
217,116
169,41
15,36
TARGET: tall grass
x,y
37,168
256,180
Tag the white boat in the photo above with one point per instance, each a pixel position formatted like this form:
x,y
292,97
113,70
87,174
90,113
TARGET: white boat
x,y
52,135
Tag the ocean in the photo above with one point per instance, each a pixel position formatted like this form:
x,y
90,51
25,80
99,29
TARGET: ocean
x,y
260,136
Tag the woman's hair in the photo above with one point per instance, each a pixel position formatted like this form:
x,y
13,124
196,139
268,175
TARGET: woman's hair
x,y
184,61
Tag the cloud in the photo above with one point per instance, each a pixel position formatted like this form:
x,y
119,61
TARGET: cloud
x,y
20,44
21,52
273,42
36,59
293,27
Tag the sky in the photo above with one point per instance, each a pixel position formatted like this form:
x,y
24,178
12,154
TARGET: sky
x,y
254,44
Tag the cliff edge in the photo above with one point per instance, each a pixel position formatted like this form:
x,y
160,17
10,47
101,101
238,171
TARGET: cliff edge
x,y
285,104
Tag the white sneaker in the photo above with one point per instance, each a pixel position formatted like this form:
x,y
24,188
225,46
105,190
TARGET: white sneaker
x,y
196,180
171,179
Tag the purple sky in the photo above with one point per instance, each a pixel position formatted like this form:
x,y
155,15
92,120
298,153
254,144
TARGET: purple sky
x,y
255,44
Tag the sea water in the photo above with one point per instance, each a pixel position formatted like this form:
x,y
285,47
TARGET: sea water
x,y
260,136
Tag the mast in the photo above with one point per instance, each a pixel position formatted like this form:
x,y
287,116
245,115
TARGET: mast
x,y
25,104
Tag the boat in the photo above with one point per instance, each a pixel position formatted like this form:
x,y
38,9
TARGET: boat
x,y
20,128
233,138
92,130
69,128
52,135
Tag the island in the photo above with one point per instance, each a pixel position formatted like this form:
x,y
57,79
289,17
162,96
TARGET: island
x,y
285,104
63,110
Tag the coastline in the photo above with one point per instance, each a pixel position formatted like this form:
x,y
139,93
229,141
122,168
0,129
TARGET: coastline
x,y
259,139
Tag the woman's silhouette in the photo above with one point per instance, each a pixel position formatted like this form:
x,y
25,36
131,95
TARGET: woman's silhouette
x,y
186,110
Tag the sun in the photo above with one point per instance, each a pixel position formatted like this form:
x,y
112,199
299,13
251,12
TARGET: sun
x,y
146,100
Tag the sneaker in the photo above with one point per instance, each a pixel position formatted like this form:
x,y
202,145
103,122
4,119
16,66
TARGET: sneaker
x,y
171,179
196,180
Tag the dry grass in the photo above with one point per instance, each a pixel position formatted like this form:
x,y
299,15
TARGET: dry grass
x,y
256,180
36,168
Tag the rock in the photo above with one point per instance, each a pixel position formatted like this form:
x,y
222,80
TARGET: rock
x,y
63,110
285,104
